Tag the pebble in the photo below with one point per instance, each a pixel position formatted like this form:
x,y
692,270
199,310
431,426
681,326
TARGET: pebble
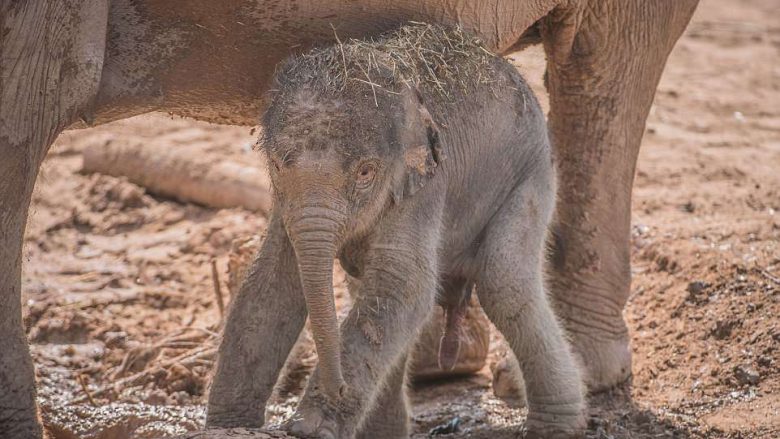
x,y
722,329
695,288
746,375
448,428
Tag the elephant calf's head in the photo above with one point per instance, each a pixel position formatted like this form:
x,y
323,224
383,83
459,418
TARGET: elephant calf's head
x,y
347,152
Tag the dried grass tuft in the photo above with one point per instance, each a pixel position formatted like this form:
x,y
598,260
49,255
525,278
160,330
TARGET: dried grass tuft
x,y
431,58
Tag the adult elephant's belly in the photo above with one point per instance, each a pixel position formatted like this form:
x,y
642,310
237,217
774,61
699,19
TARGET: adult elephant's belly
x,y
214,60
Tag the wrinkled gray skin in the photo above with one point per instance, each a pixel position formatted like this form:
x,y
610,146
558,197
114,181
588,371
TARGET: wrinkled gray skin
x,y
76,63
416,193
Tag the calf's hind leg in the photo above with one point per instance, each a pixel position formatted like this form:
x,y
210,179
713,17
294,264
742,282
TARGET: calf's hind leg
x,y
265,319
512,293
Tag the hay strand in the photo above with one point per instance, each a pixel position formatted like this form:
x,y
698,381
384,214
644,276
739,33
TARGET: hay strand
x,y
431,58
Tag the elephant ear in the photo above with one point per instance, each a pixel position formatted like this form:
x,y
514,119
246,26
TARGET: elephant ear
x,y
422,152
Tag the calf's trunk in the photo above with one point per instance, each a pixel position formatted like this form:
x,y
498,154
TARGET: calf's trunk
x,y
314,238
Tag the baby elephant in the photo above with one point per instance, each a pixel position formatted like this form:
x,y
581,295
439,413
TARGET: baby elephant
x,y
422,162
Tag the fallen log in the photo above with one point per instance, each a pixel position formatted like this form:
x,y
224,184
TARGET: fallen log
x,y
205,179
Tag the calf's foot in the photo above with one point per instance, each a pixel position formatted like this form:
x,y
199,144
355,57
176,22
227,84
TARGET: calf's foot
x,y
319,417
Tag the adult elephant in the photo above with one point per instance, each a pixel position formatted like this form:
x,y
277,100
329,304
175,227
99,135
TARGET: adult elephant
x,y
76,63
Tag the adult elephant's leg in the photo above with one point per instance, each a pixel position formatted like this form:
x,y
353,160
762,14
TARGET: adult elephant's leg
x,y
50,65
265,319
18,168
601,88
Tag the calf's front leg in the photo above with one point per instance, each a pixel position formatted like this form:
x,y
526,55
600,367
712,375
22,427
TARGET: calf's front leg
x,y
397,295
265,319
389,416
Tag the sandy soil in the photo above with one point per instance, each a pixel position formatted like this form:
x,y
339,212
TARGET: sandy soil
x,y
120,305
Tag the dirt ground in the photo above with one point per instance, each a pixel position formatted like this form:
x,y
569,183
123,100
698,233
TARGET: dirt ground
x,y
123,318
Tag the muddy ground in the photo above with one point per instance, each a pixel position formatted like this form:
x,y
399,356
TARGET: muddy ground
x,y
122,313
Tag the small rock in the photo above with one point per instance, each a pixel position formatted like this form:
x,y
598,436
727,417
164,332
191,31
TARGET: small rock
x,y
723,329
182,398
689,207
641,230
448,428
595,422
746,375
695,288
643,418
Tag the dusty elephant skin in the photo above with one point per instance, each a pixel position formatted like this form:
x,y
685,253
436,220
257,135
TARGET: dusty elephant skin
x,y
48,71
473,331
376,149
78,63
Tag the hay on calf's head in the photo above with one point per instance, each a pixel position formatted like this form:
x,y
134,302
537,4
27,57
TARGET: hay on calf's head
x,y
434,59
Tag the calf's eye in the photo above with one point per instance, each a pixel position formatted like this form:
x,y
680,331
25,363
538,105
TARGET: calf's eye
x,y
365,174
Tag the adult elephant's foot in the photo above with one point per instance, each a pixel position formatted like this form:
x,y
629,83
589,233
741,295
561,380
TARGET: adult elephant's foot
x,y
18,414
606,359
598,336
606,364
589,282
597,331
16,422
20,422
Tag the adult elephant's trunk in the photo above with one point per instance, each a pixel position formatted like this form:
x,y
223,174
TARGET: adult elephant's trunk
x,y
314,233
